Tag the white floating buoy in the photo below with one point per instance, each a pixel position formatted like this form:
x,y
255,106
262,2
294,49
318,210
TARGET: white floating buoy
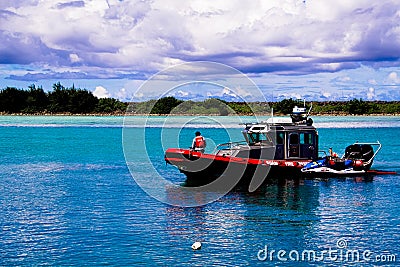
x,y
196,246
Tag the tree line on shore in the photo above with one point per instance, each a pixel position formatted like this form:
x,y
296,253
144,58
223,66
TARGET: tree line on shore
x,y
62,100
171,105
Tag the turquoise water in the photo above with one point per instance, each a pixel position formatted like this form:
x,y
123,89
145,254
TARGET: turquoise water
x,y
67,198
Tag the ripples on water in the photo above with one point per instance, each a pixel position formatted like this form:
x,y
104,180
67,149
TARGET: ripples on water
x,y
67,199
187,121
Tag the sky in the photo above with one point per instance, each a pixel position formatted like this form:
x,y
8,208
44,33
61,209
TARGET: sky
x,y
314,49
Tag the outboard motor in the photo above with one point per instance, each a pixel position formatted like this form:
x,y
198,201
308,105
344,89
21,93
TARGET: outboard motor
x,y
360,152
367,152
353,152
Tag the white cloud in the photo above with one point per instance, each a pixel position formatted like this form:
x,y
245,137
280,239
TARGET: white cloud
x,y
242,92
122,94
101,92
290,95
182,93
371,93
344,79
326,94
394,78
112,39
138,95
74,58
227,91
291,35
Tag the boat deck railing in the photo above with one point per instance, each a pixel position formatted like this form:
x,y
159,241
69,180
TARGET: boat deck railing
x,y
377,143
228,146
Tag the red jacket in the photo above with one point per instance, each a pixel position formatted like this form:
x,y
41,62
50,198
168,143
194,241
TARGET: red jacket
x,y
199,142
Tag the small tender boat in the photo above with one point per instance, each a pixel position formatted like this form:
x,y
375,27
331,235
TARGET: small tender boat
x,y
357,160
276,148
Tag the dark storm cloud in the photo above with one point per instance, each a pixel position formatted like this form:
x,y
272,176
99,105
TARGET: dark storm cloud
x,y
24,49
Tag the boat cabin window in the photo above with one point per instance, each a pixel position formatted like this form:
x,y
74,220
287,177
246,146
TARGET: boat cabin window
x,y
255,138
280,138
306,138
302,145
258,128
294,138
294,147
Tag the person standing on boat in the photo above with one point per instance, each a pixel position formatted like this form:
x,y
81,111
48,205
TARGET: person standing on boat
x,y
332,154
199,143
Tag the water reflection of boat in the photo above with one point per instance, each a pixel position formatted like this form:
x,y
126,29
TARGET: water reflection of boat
x,y
238,213
276,148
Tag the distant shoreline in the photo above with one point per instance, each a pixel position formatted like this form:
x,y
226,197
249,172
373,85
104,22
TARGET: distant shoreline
x,y
186,115
62,101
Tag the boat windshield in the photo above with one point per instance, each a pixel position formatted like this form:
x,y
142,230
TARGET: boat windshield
x,y
258,138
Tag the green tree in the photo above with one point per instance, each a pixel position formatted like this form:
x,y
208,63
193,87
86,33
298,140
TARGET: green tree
x,y
110,105
286,106
142,107
81,101
71,100
219,106
241,108
37,100
186,107
165,105
58,99
357,107
12,100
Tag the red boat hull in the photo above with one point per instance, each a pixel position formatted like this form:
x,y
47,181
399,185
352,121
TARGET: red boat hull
x,y
202,168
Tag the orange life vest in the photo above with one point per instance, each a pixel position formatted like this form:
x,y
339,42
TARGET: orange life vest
x,y
199,141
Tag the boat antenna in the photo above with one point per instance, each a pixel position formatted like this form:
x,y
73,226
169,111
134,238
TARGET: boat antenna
x,y
308,113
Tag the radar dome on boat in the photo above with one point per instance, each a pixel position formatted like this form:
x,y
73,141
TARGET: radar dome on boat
x,y
299,110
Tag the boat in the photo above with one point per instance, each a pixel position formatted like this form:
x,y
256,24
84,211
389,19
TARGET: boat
x,y
280,147
357,160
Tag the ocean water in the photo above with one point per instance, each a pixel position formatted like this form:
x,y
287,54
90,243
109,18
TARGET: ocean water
x,y
68,198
